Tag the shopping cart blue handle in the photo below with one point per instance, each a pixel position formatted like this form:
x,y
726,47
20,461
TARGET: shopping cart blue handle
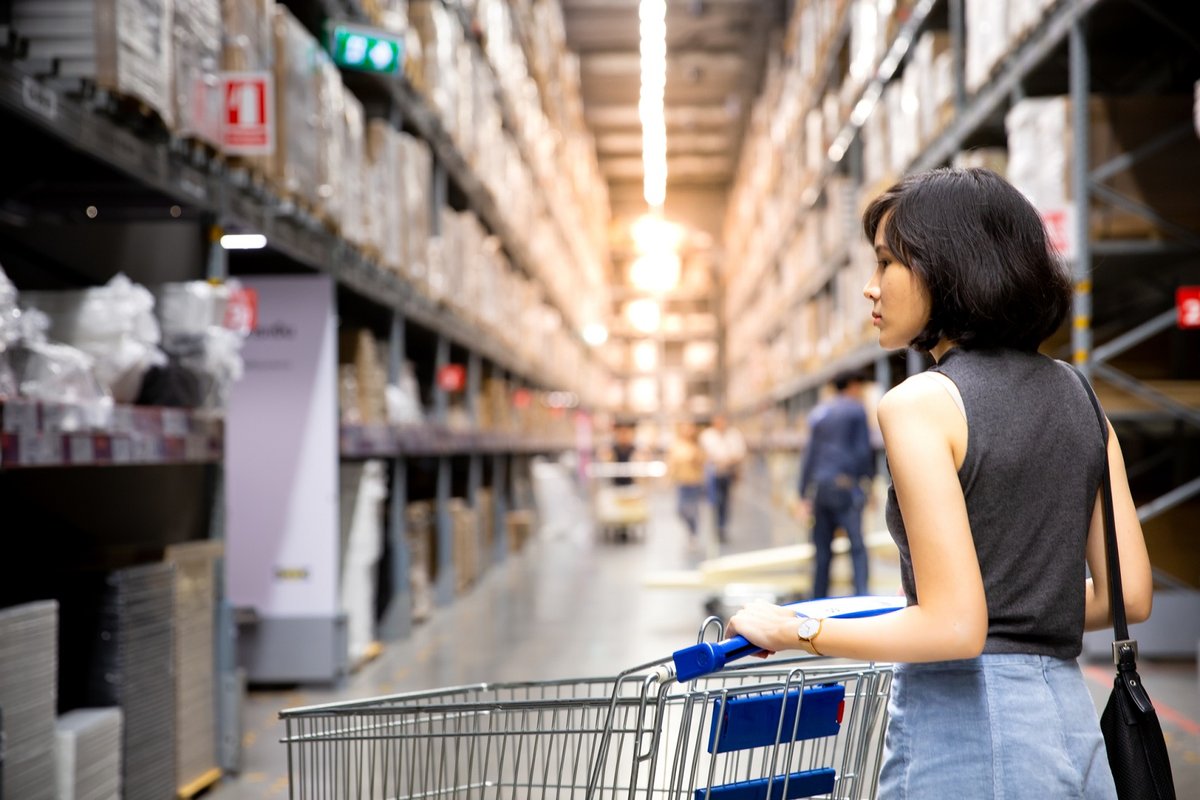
x,y
706,657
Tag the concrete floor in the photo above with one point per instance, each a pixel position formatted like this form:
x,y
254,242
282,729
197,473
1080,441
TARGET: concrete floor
x,y
571,605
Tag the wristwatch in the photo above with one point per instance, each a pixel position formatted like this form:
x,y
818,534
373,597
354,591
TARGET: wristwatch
x,y
808,630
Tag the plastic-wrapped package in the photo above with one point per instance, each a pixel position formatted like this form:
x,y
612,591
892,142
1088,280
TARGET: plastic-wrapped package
x,y
298,129
383,204
10,333
114,324
197,341
248,42
417,165
196,56
61,374
331,141
353,179
404,399
390,15
124,46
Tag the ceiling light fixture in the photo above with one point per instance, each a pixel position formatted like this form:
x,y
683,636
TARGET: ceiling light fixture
x,y
644,315
243,241
595,334
652,15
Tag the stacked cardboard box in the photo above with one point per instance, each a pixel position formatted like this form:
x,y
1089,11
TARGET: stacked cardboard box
x,y
420,529
363,378
1041,159
196,60
123,46
248,45
464,522
299,116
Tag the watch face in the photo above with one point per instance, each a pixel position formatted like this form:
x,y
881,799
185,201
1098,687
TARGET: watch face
x,y
808,628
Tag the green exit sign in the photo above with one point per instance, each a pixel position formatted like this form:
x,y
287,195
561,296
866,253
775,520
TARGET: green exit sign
x,y
368,49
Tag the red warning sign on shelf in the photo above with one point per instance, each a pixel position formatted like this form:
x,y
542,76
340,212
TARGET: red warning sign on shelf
x,y
452,377
1187,303
241,312
247,113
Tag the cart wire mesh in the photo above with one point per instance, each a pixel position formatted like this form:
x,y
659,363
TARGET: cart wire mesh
x,y
796,728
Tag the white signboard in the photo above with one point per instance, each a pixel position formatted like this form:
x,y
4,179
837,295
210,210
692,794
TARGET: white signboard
x,y
281,455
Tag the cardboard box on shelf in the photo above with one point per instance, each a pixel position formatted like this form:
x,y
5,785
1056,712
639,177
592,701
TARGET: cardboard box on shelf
x,y
122,47
196,60
987,23
391,15
363,375
382,215
1041,159
465,531
520,528
420,522
931,95
295,168
355,189
993,158
248,45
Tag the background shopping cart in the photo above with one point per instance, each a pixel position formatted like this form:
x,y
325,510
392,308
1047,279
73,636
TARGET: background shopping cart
x,y
806,727
621,511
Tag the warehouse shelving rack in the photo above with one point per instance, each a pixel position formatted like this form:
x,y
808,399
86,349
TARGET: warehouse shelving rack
x,y
1057,50
220,198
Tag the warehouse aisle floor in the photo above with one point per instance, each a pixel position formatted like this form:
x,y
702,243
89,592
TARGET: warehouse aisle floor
x,y
571,605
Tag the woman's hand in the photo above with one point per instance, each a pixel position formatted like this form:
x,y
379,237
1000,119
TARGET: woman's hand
x,y
765,625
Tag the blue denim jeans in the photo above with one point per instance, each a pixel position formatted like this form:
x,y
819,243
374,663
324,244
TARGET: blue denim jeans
x,y
690,497
1001,726
838,507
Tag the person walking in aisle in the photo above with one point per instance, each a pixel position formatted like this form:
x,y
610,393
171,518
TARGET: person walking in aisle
x,y
685,465
837,461
996,459
724,451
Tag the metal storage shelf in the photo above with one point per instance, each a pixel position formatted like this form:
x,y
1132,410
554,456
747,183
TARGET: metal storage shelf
x,y
382,441
288,230
51,435
1028,55
425,121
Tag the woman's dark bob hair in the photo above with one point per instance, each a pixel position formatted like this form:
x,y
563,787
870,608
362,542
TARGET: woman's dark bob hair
x,y
981,250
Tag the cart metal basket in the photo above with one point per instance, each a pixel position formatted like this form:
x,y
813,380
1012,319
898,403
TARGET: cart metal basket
x,y
804,727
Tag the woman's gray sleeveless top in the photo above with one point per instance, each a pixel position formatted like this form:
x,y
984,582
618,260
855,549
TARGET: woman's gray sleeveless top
x,y
1034,461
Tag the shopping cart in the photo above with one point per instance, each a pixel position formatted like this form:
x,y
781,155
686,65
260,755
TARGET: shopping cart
x,y
620,511
804,727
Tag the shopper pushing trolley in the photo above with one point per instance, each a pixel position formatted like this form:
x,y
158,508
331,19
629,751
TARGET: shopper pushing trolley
x,y
997,462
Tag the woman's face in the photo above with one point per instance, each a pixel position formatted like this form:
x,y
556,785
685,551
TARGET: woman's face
x,y
900,304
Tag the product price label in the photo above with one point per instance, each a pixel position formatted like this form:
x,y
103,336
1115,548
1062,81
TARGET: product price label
x,y
122,419
42,450
82,449
122,450
196,448
20,417
174,422
39,98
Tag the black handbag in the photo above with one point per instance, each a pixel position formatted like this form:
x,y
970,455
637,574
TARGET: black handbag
x,y
1137,752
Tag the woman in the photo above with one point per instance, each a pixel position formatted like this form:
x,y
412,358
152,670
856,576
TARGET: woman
x,y
996,457
685,465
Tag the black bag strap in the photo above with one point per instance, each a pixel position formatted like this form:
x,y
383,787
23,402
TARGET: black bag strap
x,y
1123,647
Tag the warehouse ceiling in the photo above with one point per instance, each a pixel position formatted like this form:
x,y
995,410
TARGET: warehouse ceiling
x,y
715,60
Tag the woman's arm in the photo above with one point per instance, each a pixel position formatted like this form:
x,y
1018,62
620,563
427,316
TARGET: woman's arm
x,y
925,435
1137,583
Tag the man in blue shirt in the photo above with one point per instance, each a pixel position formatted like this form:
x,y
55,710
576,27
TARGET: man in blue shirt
x,y
837,461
